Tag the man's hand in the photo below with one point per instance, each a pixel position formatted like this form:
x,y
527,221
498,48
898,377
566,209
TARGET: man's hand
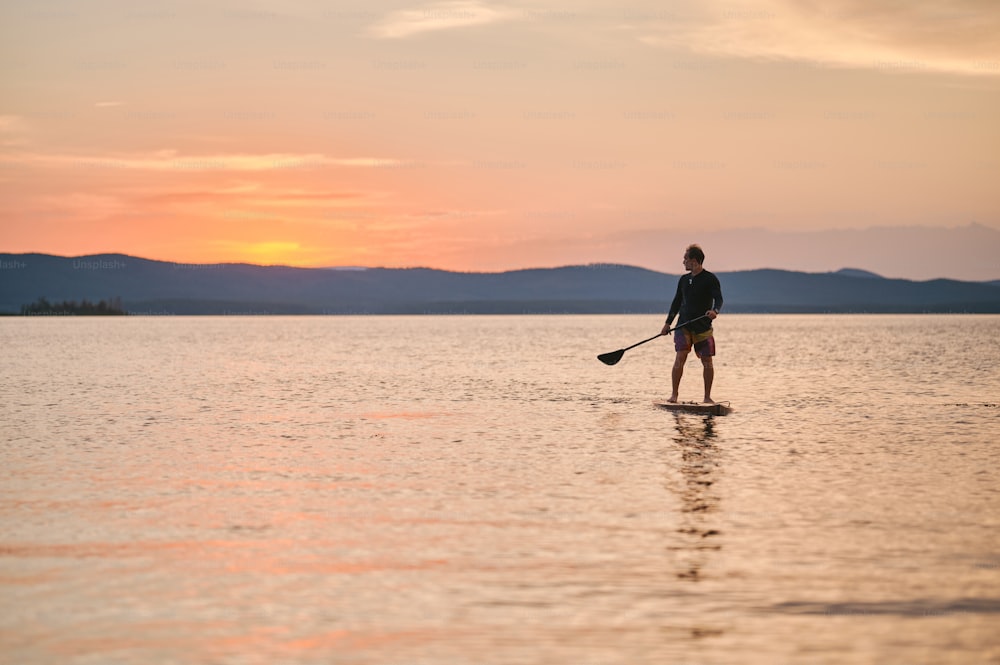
x,y
666,329
711,314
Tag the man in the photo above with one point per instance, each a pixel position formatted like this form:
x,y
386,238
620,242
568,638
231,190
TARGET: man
x,y
698,300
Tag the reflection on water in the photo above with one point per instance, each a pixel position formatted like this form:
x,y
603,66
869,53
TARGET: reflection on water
x,y
699,467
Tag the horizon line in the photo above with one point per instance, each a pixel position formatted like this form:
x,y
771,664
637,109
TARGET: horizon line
x,y
869,274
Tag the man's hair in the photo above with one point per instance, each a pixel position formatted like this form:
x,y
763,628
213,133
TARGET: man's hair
x,y
695,252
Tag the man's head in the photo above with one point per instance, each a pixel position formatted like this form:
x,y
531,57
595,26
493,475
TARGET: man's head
x,y
694,254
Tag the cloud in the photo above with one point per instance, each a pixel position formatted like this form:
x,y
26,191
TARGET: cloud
x,y
270,196
13,132
77,206
169,160
915,35
437,16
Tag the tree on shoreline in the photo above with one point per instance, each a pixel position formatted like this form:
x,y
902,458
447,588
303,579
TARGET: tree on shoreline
x,y
42,307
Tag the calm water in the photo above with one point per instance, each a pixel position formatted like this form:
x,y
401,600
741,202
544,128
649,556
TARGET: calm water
x,y
483,490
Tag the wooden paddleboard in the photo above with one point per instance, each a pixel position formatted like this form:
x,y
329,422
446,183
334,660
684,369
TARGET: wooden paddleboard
x,y
717,409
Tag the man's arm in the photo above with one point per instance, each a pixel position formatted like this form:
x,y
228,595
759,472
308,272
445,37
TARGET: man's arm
x,y
716,298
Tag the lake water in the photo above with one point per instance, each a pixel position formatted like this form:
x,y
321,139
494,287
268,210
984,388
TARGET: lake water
x,y
483,490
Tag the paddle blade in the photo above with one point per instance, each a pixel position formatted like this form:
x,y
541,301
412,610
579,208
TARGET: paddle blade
x,y
611,358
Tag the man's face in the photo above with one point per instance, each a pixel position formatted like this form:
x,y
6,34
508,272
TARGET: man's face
x,y
689,263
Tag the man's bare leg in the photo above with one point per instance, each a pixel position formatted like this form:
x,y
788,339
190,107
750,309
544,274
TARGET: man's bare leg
x,y
676,374
709,374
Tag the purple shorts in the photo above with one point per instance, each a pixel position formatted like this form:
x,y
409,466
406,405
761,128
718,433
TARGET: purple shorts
x,y
703,343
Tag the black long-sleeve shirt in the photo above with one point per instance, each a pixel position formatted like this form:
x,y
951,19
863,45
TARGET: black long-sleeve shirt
x,y
696,294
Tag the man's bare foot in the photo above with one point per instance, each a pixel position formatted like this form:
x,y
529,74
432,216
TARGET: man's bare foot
x,y
673,399
709,400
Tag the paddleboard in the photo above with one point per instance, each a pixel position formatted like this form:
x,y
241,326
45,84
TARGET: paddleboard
x,y
717,409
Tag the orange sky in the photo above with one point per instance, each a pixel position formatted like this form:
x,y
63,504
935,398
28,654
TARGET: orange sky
x,y
486,136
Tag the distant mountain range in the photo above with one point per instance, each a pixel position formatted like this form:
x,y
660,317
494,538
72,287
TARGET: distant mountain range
x,y
159,287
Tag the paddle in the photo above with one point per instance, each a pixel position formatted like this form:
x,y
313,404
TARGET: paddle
x,y
612,357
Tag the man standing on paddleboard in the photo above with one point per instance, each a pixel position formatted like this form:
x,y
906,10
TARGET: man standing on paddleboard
x,y
698,300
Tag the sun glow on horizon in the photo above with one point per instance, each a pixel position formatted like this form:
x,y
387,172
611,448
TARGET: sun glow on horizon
x,y
270,253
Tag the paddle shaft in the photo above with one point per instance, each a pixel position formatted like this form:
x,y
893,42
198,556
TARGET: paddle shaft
x,y
643,342
679,325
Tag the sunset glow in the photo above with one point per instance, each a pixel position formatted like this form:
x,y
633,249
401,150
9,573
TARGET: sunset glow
x,y
487,136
